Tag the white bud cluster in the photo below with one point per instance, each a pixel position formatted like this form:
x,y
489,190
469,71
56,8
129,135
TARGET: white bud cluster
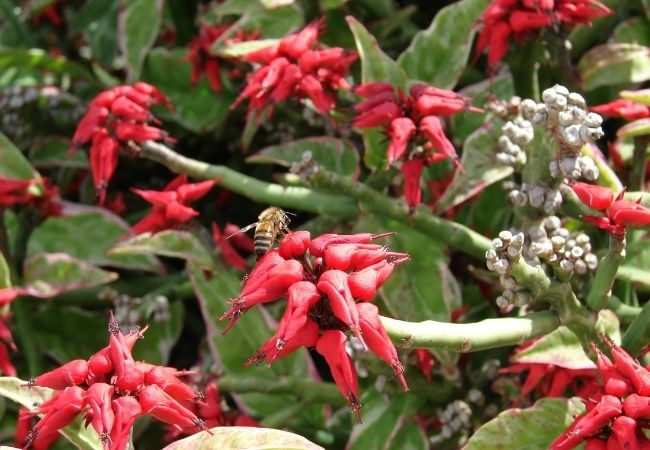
x,y
566,114
507,249
454,418
537,196
571,168
565,251
517,136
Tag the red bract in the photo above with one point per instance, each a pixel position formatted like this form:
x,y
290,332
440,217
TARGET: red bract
x,y
619,214
412,123
297,67
520,18
623,108
204,61
326,280
620,413
117,119
170,205
228,251
111,391
38,193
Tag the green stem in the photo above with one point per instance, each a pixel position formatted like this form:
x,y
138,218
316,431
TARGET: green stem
x,y
626,313
638,277
524,68
606,274
532,278
308,390
455,235
636,179
270,193
638,333
470,337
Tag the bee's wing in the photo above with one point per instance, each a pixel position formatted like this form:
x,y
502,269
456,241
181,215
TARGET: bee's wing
x,y
244,230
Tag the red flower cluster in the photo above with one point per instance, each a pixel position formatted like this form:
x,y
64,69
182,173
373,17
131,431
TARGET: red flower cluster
x,y
327,282
411,119
624,109
170,205
228,240
549,380
202,59
209,410
297,67
117,118
111,391
26,192
518,18
619,214
617,414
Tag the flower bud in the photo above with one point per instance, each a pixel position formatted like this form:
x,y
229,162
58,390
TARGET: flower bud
x,y
295,244
70,373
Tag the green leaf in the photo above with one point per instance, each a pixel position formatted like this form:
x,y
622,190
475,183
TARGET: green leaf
x,y
40,60
641,96
562,347
375,64
243,340
374,143
5,273
172,243
197,108
87,235
98,22
243,437
47,275
635,30
438,55
271,23
336,155
614,64
410,437
527,429
139,23
54,153
161,336
15,389
382,420
13,163
481,170
640,127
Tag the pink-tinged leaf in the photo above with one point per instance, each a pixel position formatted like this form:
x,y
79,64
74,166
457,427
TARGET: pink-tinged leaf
x,y
641,96
49,274
614,64
562,348
243,437
640,127
171,243
336,155
533,427
481,170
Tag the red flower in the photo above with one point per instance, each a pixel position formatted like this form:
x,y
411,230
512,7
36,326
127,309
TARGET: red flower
x,y
170,205
296,67
117,119
520,18
111,391
38,193
623,108
413,126
619,411
619,214
228,251
324,299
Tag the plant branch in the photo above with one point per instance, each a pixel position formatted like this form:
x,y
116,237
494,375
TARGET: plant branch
x,y
636,179
626,313
607,269
308,390
470,337
638,333
269,193
455,235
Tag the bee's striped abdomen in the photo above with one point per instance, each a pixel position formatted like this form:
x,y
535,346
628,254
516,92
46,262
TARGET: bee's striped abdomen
x,y
264,239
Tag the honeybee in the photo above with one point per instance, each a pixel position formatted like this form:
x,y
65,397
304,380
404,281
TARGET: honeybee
x,y
271,223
